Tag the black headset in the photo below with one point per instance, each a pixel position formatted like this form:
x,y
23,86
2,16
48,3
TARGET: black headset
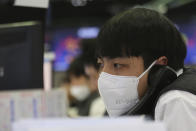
x,y
159,77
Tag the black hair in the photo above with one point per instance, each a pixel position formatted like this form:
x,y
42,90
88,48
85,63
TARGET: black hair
x,y
142,32
76,68
88,49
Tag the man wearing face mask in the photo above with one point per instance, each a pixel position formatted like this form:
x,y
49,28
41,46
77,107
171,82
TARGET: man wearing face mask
x,y
141,54
78,89
81,91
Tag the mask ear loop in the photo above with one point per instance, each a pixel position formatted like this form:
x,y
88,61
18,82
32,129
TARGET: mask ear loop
x,y
147,69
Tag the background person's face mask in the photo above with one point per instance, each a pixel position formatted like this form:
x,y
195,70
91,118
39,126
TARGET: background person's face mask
x,y
80,93
119,93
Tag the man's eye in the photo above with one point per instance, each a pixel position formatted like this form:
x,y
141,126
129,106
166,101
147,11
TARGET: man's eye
x,y
117,65
100,65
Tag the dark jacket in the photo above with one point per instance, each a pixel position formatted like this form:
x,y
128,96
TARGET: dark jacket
x,y
162,80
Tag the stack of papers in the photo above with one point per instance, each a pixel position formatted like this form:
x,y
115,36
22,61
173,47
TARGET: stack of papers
x,y
16,105
89,124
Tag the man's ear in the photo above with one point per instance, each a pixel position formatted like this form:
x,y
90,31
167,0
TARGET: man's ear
x,y
162,60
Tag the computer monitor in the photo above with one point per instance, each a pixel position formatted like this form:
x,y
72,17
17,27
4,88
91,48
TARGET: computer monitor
x,y
21,55
185,23
189,33
64,42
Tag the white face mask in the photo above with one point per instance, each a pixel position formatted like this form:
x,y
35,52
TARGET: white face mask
x,y
119,93
80,92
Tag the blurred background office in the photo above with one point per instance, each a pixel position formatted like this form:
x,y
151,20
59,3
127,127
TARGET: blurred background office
x,y
64,56
70,21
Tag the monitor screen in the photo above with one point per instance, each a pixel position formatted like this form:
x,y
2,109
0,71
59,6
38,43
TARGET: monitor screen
x,y
21,56
188,30
65,43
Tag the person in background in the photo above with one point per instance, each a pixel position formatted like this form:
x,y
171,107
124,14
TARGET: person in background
x,y
142,69
88,49
78,89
